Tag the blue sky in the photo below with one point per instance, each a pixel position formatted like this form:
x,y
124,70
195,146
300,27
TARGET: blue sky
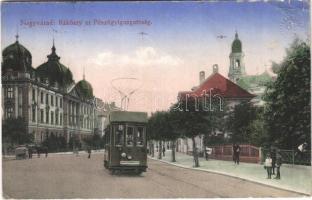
x,y
181,41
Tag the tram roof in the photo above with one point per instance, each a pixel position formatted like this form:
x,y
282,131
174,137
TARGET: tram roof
x,y
124,116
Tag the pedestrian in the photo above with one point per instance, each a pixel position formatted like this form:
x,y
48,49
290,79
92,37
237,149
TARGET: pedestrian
x,y
302,148
30,152
273,156
89,152
234,154
278,165
164,150
237,154
206,152
268,165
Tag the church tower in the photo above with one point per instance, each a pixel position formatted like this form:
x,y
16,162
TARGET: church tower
x,y
237,66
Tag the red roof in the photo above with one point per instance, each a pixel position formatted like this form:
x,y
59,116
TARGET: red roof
x,y
218,84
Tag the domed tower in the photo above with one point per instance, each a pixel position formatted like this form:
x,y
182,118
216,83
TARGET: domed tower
x,y
237,65
84,89
16,58
55,71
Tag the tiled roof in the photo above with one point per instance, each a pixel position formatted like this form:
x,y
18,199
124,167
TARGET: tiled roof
x,y
218,84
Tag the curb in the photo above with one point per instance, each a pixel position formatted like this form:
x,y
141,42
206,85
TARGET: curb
x,y
230,175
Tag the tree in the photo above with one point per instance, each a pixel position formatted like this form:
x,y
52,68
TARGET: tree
x,y
287,111
171,122
192,121
159,127
54,143
239,122
95,141
14,131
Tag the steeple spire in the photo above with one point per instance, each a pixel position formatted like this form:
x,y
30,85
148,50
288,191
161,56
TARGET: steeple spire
x,y
236,35
17,36
53,55
53,47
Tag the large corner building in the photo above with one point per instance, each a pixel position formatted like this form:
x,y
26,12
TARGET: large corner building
x,y
46,97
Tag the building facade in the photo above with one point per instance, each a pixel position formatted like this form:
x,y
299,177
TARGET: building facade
x,y
46,97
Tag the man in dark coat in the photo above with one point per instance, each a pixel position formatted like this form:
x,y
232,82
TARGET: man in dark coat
x,y
30,152
164,150
273,156
278,165
89,152
236,152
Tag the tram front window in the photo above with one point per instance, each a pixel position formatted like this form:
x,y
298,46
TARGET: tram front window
x,y
140,136
119,135
129,136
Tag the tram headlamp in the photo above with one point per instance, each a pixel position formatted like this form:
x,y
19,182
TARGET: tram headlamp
x,y
129,157
123,154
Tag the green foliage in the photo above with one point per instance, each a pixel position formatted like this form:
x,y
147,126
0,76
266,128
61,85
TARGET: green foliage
x,y
74,143
14,131
55,143
95,142
287,112
239,122
275,67
248,82
161,126
243,83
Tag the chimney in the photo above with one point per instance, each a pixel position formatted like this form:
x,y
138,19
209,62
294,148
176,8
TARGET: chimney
x,y
201,77
215,68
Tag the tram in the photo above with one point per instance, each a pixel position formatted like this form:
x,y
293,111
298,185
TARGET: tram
x,y
125,142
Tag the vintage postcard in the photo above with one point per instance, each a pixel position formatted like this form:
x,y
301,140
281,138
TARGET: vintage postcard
x,y
156,99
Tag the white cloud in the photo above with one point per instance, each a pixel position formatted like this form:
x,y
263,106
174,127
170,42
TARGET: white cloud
x,y
141,57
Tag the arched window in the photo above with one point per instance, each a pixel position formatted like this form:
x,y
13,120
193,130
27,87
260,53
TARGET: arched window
x,y
237,63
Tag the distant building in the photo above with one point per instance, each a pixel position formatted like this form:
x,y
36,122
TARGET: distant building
x,y
255,84
237,65
46,97
229,93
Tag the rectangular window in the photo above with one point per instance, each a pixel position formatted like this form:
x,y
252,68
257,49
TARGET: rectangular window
x,y
47,117
129,136
9,112
56,101
52,100
52,117
61,103
47,99
56,118
10,92
41,115
119,135
34,114
140,136
41,97
61,119
33,94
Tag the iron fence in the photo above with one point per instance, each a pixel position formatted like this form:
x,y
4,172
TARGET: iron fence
x,y
290,156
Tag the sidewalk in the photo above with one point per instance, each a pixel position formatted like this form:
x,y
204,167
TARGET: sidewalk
x,y
293,178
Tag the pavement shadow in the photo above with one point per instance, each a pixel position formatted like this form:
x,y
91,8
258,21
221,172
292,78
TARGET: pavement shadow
x,y
127,174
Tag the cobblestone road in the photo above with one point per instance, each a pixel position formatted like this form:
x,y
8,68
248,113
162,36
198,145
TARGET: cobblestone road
x,y
68,176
